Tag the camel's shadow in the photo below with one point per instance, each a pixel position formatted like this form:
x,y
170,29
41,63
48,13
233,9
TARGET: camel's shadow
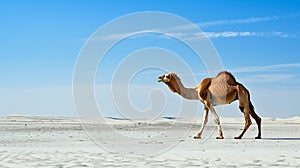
x,y
282,139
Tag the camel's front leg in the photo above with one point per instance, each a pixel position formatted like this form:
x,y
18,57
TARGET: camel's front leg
x,y
216,119
204,121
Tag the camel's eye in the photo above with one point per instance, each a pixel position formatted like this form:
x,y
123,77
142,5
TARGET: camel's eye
x,y
168,76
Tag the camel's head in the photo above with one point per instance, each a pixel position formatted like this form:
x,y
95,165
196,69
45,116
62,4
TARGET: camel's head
x,y
171,80
166,78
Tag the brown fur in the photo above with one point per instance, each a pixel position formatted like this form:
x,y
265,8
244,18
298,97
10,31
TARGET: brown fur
x,y
173,85
204,86
223,89
230,79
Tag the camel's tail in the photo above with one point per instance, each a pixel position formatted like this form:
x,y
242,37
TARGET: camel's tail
x,y
253,113
251,107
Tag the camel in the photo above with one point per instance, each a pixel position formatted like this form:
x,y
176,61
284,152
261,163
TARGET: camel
x,y
223,89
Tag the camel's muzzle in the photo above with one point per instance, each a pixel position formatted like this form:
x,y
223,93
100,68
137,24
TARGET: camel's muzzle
x,y
160,78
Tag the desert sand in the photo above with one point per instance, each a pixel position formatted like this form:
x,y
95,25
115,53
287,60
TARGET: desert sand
x,y
27,141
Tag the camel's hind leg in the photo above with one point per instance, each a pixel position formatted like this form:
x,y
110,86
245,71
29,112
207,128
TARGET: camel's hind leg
x,y
204,121
257,120
247,121
245,108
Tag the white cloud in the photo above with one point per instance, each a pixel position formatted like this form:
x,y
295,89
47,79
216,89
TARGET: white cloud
x,y
180,30
195,36
232,34
229,22
238,21
117,36
249,20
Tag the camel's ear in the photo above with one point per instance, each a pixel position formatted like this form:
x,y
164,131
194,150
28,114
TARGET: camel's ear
x,y
172,75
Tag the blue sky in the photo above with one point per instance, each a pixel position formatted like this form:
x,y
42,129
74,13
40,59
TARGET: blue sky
x,y
40,40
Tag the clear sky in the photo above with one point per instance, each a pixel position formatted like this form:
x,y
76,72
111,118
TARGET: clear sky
x,y
257,40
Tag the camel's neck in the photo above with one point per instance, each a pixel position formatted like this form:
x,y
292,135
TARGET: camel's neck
x,y
187,93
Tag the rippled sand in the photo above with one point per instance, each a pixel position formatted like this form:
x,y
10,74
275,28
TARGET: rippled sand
x,y
66,142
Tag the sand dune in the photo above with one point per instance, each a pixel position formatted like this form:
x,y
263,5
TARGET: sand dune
x,y
28,141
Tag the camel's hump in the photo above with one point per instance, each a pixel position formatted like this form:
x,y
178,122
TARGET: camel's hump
x,y
227,76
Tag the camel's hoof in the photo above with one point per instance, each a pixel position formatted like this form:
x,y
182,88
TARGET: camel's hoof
x,y
237,137
258,137
197,137
220,137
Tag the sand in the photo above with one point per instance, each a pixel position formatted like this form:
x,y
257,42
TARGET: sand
x,y
27,141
